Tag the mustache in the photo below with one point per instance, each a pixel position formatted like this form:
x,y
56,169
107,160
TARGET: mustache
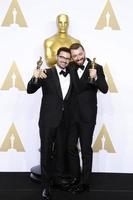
x,y
82,59
64,63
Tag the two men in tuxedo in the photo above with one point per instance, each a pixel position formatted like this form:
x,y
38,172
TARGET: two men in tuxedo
x,y
54,115
69,104
84,112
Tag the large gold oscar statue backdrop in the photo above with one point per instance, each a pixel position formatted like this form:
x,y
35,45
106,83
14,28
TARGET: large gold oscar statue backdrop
x,y
60,39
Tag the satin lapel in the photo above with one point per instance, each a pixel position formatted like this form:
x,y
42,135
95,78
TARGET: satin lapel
x,y
75,77
86,71
56,81
69,90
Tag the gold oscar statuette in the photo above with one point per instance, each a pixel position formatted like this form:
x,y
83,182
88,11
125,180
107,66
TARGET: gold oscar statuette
x,y
93,65
39,64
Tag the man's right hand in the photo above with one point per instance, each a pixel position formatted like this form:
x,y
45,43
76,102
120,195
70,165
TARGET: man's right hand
x,y
40,73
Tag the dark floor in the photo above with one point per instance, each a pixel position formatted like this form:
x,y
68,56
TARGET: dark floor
x,y
104,186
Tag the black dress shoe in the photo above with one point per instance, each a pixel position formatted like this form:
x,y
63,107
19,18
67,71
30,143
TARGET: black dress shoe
x,y
63,183
72,184
80,188
46,194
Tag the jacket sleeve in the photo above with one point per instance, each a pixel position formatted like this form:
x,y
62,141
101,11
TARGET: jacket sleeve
x,y
101,81
33,86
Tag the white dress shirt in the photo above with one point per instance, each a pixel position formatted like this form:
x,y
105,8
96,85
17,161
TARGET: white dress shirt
x,y
80,71
64,81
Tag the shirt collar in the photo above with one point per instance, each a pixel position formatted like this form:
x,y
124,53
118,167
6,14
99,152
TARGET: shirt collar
x,y
59,69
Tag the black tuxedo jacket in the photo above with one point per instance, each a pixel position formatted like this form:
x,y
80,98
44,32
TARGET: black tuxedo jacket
x,y
52,106
84,101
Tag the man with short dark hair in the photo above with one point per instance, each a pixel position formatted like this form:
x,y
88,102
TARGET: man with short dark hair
x,y
54,115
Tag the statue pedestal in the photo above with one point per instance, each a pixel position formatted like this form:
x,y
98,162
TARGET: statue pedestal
x,y
35,174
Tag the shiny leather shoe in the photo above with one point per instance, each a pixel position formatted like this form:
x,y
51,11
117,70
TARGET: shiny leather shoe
x,y
80,188
71,182
46,194
74,182
62,183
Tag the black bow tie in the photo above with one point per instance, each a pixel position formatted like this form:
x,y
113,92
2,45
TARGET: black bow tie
x,y
81,67
64,73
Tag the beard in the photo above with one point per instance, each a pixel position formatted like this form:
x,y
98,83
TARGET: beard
x,y
81,61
